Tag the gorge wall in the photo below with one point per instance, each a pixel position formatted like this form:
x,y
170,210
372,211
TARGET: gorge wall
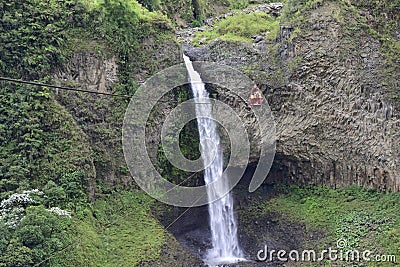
x,y
325,84
327,88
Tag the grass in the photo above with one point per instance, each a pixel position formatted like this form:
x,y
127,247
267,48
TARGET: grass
x,y
242,4
119,231
366,219
132,5
241,28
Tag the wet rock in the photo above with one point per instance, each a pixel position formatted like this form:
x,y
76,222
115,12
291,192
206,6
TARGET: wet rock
x,y
258,39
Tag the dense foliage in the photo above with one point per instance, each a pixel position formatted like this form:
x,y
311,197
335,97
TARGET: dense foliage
x,y
30,232
36,131
34,33
117,230
41,145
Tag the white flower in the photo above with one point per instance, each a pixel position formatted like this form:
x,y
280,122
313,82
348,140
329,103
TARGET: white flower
x,y
33,192
60,212
16,200
12,209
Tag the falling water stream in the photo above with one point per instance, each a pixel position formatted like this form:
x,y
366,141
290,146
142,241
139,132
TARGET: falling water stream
x,y
225,246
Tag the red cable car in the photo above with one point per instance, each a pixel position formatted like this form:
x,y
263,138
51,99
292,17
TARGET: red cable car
x,y
255,96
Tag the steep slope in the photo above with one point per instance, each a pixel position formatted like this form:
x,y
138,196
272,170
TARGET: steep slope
x,y
332,84
67,144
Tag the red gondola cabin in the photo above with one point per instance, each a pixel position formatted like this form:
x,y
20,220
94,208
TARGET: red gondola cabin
x,y
255,96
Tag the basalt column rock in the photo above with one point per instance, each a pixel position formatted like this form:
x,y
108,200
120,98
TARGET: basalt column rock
x,y
336,124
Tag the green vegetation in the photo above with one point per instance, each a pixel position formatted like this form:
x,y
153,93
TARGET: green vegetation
x,y
117,230
182,12
188,144
295,12
40,140
34,35
378,19
198,22
124,25
150,5
30,231
365,218
241,28
238,4
381,20
43,146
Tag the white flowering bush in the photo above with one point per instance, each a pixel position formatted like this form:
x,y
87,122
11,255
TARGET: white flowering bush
x,y
18,199
30,232
60,212
12,209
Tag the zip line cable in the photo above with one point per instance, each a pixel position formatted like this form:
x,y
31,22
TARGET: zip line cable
x,y
61,87
69,88
99,93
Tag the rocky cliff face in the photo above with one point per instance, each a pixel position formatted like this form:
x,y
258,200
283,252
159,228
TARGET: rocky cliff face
x,y
101,116
326,88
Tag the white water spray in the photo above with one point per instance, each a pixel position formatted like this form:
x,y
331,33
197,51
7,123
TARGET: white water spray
x,y
225,246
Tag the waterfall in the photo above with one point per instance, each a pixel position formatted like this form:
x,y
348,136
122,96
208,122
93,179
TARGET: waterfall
x,y
225,246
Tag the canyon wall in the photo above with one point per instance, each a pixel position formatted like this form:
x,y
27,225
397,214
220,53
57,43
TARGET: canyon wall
x,y
327,88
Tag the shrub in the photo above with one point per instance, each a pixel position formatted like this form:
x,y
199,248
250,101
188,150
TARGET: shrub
x,y
242,27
